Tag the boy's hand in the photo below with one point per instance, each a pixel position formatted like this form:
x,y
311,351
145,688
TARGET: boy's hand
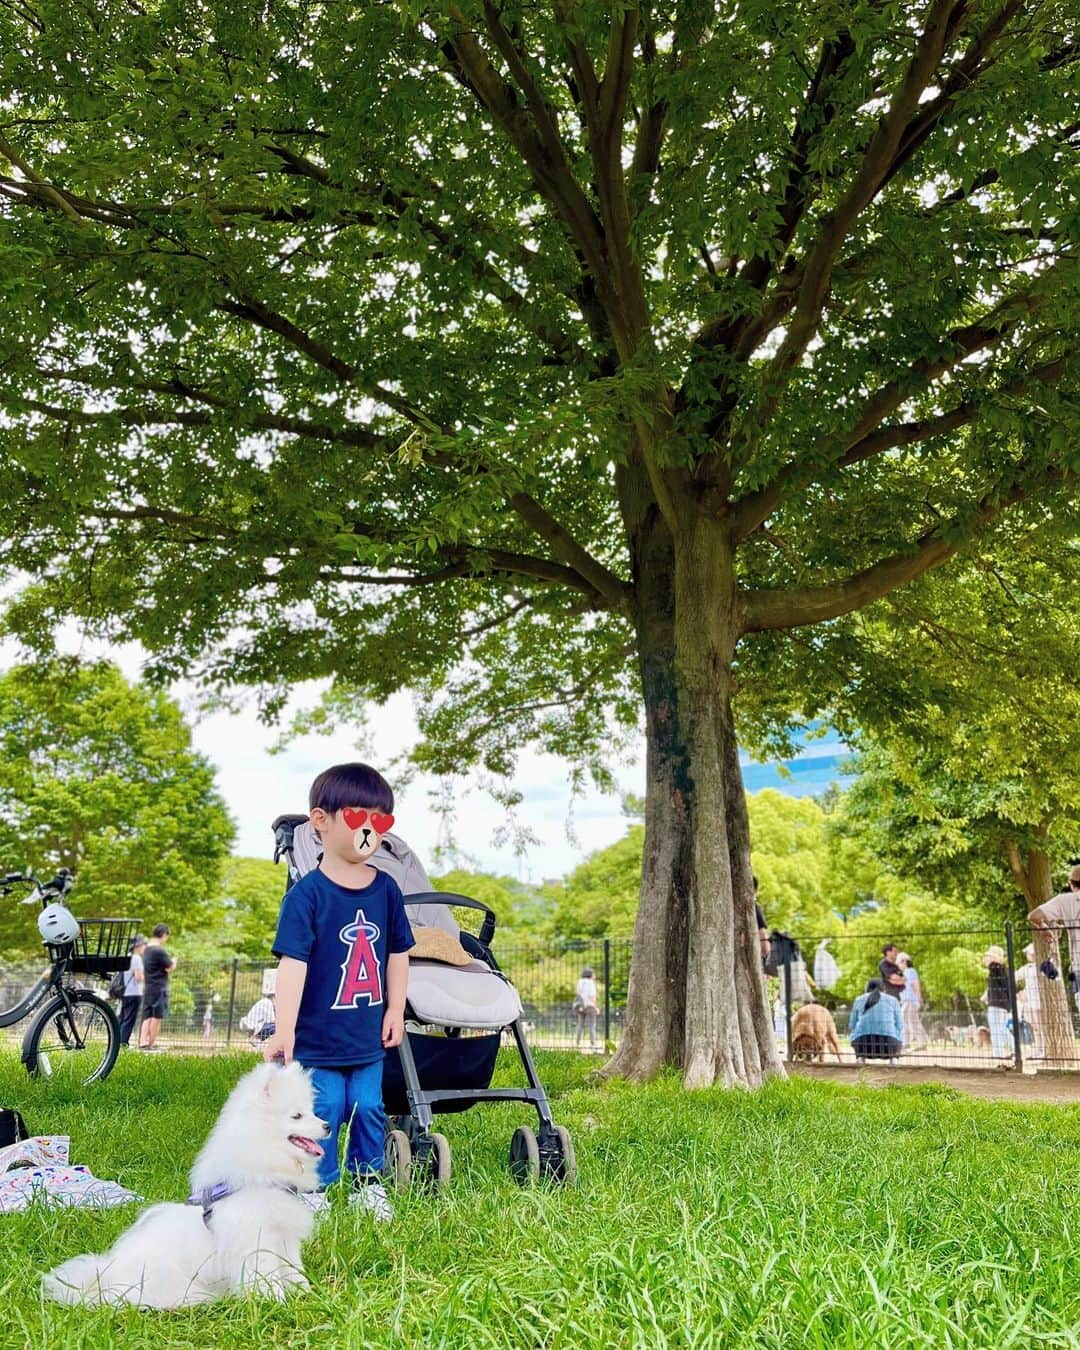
x,y
279,1046
393,1029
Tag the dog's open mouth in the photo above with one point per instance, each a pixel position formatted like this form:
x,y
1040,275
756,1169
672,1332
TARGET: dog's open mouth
x,y
306,1145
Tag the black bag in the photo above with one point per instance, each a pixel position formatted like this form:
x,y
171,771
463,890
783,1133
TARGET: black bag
x,y
12,1127
783,951
116,985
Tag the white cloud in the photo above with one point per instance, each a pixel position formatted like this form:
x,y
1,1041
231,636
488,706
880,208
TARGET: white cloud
x,y
258,785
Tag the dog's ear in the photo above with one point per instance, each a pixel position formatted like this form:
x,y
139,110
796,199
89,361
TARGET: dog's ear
x,y
262,1078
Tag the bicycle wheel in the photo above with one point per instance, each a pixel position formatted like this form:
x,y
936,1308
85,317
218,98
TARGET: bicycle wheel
x,y
76,1047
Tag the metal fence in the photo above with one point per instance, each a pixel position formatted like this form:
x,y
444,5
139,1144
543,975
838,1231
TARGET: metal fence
x,y
210,1001
977,998
955,1017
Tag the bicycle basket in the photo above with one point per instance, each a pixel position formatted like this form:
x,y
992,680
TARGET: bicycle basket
x,y
102,947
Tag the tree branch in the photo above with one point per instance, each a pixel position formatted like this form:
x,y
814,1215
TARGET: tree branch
x,y
154,416
959,344
37,185
252,310
461,559
961,76
565,547
726,330
797,606
533,132
466,560
817,271
964,414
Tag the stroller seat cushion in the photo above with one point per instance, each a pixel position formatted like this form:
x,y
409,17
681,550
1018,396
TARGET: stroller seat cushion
x,y
470,996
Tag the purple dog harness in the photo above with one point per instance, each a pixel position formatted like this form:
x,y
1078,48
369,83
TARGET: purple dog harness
x,y
208,1198
221,1190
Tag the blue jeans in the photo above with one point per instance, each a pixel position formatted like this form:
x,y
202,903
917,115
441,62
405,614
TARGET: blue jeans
x,y
353,1098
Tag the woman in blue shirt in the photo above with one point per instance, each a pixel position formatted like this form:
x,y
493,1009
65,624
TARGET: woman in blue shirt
x,y
876,1025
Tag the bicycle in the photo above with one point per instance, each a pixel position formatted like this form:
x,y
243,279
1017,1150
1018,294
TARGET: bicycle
x,y
75,1036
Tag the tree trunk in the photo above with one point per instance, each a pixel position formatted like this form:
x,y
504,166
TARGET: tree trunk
x,y
1032,874
697,995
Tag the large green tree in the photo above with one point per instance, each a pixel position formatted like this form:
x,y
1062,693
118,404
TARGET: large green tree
x,y
98,775
969,777
538,356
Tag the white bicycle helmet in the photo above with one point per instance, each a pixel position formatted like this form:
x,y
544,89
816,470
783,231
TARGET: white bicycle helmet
x,y
58,925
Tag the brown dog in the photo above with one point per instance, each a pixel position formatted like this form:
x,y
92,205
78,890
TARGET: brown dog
x,y
813,1031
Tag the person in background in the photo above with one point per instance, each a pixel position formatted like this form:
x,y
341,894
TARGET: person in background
x,y
208,1019
876,1025
911,1001
892,977
996,999
586,1007
762,930
133,987
1029,1001
157,965
259,1018
1063,911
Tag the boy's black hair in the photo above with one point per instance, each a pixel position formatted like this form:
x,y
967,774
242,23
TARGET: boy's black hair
x,y
350,785
162,930
889,946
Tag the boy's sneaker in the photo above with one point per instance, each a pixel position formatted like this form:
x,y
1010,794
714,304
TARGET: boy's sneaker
x,y
372,1197
319,1201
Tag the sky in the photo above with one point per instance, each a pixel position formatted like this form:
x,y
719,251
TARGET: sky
x,y
258,784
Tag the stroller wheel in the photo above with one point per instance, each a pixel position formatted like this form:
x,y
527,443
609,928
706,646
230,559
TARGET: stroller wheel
x,y
397,1160
524,1155
437,1163
561,1165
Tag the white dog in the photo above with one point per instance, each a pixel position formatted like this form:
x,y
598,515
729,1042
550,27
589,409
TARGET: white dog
x,y
244,1224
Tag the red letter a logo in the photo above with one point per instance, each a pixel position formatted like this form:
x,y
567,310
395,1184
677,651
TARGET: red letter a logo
x,y
360,975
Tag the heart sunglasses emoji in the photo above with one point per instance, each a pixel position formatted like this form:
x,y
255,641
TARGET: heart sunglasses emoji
x,y
356,820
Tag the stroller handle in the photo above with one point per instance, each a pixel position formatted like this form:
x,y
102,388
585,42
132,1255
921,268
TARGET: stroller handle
x,y
452,899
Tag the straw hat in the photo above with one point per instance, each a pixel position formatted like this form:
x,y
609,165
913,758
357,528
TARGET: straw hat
x,y
435,944
994,954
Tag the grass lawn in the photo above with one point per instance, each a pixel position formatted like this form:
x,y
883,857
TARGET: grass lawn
x,y
806,1215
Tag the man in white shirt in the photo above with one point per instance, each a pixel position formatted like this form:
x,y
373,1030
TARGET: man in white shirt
x,y
1063,911
260,1016
1029,999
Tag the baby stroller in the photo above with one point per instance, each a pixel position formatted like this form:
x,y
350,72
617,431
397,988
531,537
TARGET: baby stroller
x,y
436,1069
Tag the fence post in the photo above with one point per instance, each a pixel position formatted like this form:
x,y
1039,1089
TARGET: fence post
x,y
1018,1053
232,1003
787,1005
607,990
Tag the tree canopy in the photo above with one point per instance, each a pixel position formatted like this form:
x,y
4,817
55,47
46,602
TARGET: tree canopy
x,y
969,776
98,774
489,347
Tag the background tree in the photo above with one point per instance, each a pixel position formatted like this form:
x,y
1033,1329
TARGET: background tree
x,y
969,780
247,902
521,909
98,775
539,356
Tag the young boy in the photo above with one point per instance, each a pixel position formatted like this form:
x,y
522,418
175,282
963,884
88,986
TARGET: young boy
x,y
342,943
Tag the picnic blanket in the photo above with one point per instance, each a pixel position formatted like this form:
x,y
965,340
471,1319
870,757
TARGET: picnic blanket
x,y
38,1170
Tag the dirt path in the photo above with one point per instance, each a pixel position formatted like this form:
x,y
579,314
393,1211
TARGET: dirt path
x,y
996,1085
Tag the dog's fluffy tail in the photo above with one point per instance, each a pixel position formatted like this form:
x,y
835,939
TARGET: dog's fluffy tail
x,y
76,1281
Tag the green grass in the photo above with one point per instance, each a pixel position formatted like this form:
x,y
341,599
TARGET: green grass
x,y
806,1214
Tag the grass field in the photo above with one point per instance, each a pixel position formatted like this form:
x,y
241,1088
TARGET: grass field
x,y
803,1215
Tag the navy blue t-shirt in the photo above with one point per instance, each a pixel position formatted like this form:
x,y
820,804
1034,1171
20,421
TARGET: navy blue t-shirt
x,y
345,935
